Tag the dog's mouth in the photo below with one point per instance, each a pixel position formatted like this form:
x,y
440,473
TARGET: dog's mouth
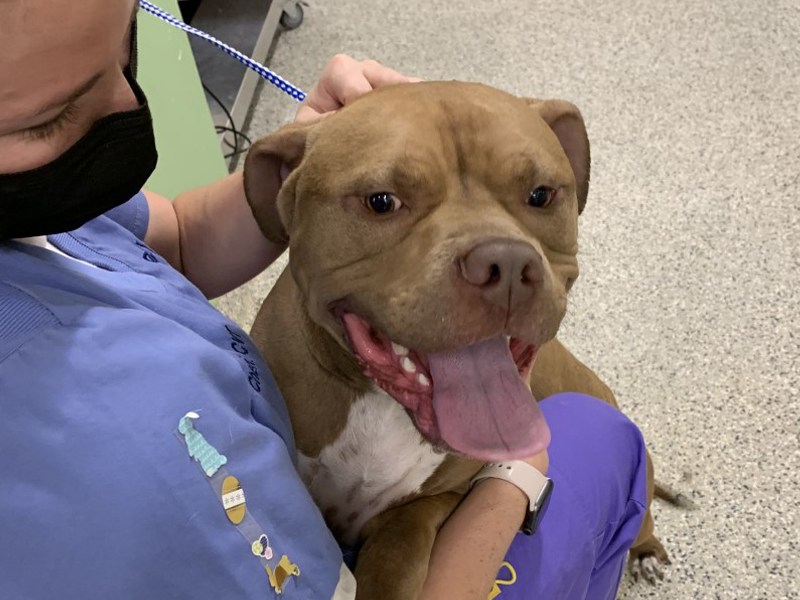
x,y
472,400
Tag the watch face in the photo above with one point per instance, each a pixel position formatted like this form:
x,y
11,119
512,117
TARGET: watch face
x,y
544,498
536,512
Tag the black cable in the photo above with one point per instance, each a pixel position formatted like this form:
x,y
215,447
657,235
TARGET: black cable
x,y
224,110
237,134
229,129
221,128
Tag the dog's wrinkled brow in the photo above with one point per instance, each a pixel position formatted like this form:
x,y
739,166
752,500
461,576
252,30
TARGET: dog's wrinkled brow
x,y
401,176
411,175
521,168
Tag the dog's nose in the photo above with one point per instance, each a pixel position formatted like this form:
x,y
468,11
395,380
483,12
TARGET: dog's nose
x,y
507,272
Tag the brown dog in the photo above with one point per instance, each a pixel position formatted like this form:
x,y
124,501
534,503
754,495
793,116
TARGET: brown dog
x,y
433,237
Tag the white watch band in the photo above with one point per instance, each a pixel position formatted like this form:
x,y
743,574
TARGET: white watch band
x,y
526,477
533,484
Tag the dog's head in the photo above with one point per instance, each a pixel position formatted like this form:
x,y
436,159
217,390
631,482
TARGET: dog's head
x,y
433,234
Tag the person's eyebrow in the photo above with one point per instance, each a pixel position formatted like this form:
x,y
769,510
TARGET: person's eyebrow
x,y
89,84
64,102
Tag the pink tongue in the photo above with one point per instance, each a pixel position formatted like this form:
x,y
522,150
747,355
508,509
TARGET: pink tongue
x,y
482,406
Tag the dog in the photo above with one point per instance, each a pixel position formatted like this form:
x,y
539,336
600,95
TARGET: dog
x,y
433,233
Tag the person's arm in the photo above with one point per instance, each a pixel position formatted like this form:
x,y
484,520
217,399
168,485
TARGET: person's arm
x,y
471,545
209,233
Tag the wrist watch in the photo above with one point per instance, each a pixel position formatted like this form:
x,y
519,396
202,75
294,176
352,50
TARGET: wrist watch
x,y
528,479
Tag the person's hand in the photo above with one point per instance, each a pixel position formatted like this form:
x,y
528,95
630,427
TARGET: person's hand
x,y
540,462
342,81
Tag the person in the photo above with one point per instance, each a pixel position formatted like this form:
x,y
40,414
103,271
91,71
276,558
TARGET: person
x,y
115,370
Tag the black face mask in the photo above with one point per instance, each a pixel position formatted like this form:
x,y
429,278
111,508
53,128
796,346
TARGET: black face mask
x,y
104,169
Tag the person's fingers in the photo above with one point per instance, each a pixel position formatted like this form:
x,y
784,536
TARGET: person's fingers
x,y
344,80
306,115
342,90
341,80
378,76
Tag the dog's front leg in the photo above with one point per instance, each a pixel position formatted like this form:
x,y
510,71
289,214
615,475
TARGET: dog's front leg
x,y
393,562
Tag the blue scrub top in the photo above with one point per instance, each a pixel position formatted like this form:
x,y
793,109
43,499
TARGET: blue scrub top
x,y
99,496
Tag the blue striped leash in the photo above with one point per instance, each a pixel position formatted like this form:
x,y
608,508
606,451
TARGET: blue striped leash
x,y
263,71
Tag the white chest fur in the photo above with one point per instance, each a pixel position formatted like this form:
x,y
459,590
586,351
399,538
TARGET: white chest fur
x,y
378,458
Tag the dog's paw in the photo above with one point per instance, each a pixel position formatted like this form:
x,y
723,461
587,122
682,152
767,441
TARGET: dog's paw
x,y
647,567
647,561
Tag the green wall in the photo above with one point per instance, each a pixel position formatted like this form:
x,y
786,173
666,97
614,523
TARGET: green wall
x,y
188,148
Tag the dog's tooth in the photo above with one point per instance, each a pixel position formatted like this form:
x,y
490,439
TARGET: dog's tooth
x,y
399,350
408,365
423,380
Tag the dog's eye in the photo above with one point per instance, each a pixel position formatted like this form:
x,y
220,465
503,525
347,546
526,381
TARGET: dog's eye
x,y
541,197
383,203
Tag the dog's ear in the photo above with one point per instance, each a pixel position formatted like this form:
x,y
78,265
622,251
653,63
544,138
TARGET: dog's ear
x,y
566,122
269,163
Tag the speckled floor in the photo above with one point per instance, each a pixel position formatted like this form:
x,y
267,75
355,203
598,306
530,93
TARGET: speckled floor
x,y
688,299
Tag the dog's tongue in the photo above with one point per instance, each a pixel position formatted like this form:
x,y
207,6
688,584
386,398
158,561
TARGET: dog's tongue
x,y
482,406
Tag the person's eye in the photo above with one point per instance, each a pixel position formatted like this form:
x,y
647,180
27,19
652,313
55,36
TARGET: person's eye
x,y
46,130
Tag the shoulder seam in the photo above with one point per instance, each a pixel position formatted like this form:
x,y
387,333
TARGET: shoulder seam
x,y
24,339
138,218
34,298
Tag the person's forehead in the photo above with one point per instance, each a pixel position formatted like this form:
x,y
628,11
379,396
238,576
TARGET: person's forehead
x,y
48,47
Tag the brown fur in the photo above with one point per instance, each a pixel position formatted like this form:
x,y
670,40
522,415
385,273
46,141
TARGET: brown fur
x,y
462,157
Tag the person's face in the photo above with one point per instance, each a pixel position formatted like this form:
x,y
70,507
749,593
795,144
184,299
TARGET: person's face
x,y
61,69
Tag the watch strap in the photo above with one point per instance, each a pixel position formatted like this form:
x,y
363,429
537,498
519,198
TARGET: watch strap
x,y
528,479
